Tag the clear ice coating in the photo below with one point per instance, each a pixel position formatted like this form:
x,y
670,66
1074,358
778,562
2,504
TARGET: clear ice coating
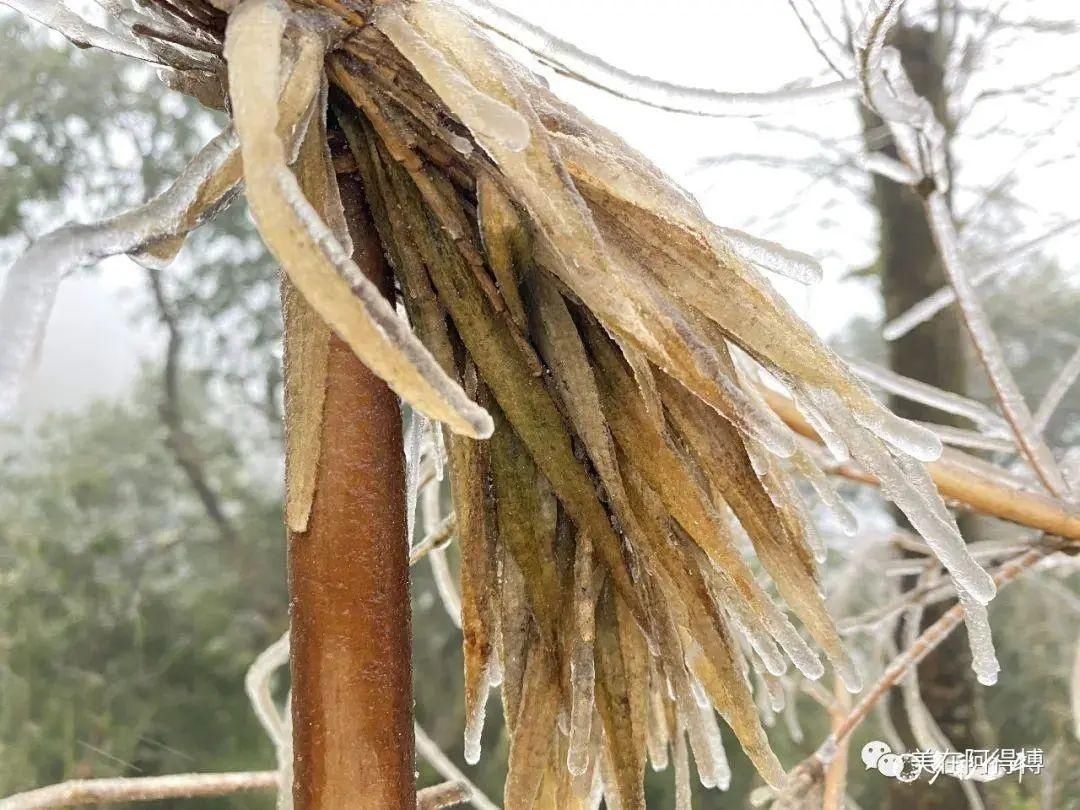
x,y
414,438
582,678
983,656
31,283
683,791
808,469
908,437
925,394
793,264
57,16
494,119
907,484
667,96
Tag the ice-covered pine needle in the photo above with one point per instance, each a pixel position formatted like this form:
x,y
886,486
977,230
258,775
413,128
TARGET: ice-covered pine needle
x,y
568,301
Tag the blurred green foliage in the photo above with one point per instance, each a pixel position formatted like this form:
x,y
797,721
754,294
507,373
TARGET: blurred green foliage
x,y
126,624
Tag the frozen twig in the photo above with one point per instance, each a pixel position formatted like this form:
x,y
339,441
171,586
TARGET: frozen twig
x,y
959,478
445,795
932,396
569,59
430,505
1057,391
81,792
435,539
825,42
987,347
928,307
920,141
258,683
429,750
57,16
923,646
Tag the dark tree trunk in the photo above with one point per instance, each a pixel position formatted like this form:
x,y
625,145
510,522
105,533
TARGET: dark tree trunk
x,y
349,590
935,353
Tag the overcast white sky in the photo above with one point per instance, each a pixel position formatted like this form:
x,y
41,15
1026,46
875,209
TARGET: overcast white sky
x,y
728,45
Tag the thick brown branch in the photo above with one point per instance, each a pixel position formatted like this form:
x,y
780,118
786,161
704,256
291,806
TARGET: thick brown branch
x,y
349,590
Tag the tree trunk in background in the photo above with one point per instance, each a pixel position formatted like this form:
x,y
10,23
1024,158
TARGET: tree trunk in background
x,y
349,589
936,353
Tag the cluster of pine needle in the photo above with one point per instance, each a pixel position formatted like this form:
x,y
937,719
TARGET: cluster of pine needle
x,y
593,346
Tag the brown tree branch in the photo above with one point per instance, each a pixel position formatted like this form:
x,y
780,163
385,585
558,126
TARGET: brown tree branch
x,y
180,441
930,638
80,792
962,483
349,588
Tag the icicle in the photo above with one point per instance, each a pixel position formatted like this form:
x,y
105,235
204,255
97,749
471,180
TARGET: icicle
x,y
440,566
793,264
906,436
657,732
582,678
582,669
983,657
833,443
791,720
570,59
57,16
763,632
716,745
763,698
413,451
295,233
809,470
474,724
925,394
497,120
958,437
682,768
907,484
